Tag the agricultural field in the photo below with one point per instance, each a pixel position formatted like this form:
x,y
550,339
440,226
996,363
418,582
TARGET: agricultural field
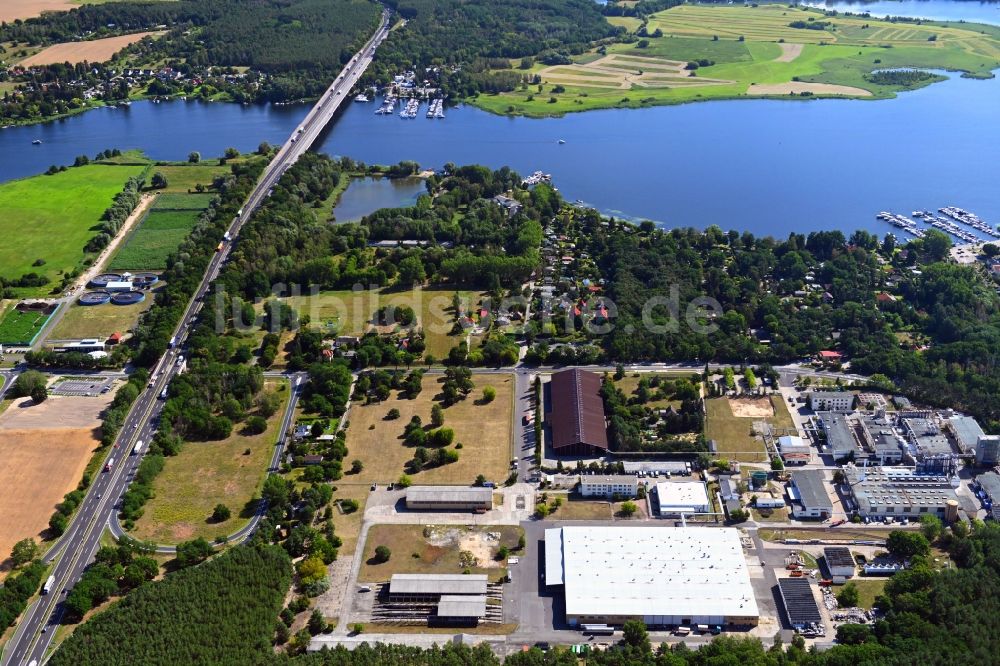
x,y
20,328
483,430
351,313
437,549
100,321
23,9
204,474
751,52
47,220
182,178
157,236
95,50
44,450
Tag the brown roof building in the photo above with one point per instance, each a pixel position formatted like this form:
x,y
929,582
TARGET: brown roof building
x,y
577,413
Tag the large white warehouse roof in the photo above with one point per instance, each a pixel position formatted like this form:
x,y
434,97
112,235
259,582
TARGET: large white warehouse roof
x,y
694,572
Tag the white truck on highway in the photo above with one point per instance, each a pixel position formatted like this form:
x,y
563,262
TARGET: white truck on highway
x,y
137,449
109,465
49,584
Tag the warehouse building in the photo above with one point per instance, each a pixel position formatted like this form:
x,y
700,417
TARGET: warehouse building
x,y
676,497
831,401
460,610
902,492
793,450
433,587
988,450
576,414
664,576
800,603
449,498
609,485
966,431
808,493
839,562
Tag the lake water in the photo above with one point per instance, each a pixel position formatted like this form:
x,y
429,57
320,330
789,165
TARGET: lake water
x,y
367,195
940,10
766,166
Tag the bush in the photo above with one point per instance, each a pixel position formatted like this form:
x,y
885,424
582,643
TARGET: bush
x,y
489,394
848,596
382,554
221,513
255,425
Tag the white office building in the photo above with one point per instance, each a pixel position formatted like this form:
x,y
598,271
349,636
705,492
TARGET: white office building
x,y
609,485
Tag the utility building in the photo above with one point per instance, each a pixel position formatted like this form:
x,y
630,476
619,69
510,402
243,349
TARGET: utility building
x,y
576,416
840,562
449,498
663,576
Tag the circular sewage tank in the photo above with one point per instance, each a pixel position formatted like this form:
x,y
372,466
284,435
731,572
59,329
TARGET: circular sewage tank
x,y
95,298
128,298
101,281
145,279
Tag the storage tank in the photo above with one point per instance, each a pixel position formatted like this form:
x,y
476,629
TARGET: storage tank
x,y
951,511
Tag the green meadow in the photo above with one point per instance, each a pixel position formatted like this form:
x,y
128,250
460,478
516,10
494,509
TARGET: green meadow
x,y
50,219
158,235
753,52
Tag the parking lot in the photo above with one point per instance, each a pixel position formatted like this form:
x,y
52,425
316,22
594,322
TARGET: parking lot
x,y
82,386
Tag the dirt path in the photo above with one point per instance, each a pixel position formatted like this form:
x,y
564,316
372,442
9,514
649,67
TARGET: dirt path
x,y
789,52
97,267
796,87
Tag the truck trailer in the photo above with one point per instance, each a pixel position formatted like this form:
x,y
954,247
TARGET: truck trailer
x,y
49,584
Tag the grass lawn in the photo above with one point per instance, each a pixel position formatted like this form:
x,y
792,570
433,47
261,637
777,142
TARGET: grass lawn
x,y
351,313
732,433
824,534
771,52
183,177
770,515
483,430
868,589
782,418
158,235
100,321
175,201
52,217
21,328
435,549
204,474
580,509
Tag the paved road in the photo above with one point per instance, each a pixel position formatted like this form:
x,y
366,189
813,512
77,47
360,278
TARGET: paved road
x,y
7,378
77,547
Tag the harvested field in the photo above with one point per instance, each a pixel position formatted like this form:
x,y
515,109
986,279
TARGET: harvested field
x,y
96,50
799,87
759,408
22,9
789,52
617,70
44,450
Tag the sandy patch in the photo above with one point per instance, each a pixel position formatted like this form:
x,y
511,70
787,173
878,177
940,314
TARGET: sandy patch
x,y
789,52
758,408
37,468
796,87
56,412
22,9
97,50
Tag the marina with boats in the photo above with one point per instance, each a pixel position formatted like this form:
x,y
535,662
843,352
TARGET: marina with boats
x,y
949,226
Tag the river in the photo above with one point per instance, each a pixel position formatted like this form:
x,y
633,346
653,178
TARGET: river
x,y
766,166
939,10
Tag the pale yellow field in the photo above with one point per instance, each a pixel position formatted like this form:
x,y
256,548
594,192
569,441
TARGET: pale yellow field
x,y
22,9
97,50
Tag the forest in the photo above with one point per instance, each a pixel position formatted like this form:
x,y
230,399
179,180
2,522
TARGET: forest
x,y
465,36
929,617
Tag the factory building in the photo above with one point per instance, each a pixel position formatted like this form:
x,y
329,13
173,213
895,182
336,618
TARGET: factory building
x,y
576,414
988,450
449,498
839,562
677,497
831,401
902,492
800,603
860,436
966,431
609,485
808,494
663,576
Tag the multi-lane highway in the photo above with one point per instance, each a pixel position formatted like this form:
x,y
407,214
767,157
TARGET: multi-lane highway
x,y
74,551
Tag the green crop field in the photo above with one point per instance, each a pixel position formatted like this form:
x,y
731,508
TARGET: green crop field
x,y
753,52
184,177
183,201
158,235
51,218
18,328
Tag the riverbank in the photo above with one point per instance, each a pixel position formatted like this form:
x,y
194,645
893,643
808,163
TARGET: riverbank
x,y
697,53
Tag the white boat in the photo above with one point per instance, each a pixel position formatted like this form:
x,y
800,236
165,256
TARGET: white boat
x,y
361,98
562,141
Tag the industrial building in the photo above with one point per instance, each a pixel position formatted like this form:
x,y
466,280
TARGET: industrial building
x,y
609,485
800,603
460,610
966,432
676,497
988,450
859,436
808,494
449,498
839,562
664,576
576,414
793,450
925,436
831,401
989,492
902,492
432,587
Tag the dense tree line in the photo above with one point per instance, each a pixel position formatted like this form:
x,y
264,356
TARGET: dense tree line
x,y
221,612
17,588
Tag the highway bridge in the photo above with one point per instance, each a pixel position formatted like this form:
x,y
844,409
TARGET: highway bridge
x,y
77,547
